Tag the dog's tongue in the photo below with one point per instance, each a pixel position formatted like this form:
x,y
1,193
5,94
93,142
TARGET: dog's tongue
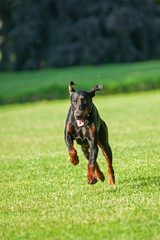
x,y
80,123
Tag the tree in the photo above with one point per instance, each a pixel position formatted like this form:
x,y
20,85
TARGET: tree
x,y
74,32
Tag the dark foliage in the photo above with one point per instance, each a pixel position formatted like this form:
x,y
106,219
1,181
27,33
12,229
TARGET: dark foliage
x,y
35,34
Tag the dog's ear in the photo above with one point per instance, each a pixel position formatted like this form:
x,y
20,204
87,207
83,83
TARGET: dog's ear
x,y
71,89
96,88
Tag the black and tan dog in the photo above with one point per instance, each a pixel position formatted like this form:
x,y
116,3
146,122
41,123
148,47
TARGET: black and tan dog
x,y
84,125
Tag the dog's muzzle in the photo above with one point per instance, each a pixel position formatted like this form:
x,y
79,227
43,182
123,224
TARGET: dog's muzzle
x,y
80,123
79,120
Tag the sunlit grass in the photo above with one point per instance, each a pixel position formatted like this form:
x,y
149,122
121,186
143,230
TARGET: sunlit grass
x,y
43,196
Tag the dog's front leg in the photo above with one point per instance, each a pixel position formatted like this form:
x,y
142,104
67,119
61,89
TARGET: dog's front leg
x,y
72,151
92,179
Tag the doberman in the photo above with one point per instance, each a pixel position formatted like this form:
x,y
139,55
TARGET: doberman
x,y
84,125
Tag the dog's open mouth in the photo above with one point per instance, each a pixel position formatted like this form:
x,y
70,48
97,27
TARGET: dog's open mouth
x,y
80,123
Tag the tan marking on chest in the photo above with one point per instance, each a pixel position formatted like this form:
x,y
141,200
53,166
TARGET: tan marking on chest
x,y
92,129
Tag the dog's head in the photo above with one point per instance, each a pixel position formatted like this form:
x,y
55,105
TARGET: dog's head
x,y
81,102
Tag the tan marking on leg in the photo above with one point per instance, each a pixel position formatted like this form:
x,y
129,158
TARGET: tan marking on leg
x,y
73,156
110,170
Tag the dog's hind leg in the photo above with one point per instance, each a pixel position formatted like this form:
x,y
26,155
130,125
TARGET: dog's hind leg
x,y
99,173
106,150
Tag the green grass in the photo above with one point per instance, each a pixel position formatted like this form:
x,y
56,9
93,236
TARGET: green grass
x,y
52,83
43,196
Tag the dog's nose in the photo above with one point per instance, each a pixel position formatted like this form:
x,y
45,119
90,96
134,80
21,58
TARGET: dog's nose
x,y
78,115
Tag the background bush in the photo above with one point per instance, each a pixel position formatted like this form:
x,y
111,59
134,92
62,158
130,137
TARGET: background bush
x,y
35,34
52,83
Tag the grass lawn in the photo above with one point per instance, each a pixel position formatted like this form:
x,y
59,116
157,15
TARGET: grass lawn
x,y
52,83
43,196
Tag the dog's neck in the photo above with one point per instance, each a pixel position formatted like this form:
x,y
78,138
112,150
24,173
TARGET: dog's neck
x,y
90,111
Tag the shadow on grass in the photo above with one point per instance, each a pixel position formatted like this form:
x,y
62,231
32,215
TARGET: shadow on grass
x,y
142,181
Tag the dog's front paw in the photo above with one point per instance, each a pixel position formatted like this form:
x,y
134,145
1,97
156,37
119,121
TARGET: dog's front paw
x,y
92,180
74,159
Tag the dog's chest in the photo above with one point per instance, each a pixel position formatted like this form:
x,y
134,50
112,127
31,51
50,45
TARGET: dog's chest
x,y
80,135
